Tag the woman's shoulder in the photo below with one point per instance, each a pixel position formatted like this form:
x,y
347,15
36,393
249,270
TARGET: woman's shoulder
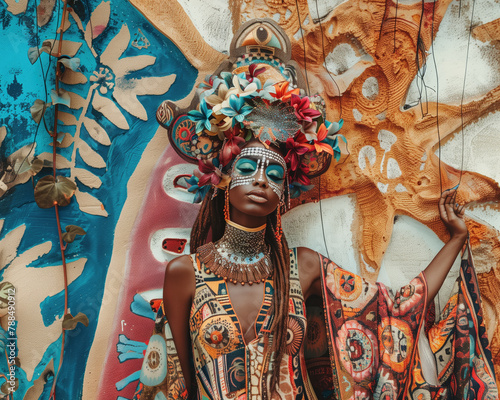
x,y
180,267
306,255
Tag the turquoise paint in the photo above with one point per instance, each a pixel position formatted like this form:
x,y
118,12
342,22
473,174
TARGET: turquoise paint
x,y
20,84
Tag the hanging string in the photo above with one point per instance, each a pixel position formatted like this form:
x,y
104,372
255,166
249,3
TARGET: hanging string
x,y
324,59
463,93
395,22
304,45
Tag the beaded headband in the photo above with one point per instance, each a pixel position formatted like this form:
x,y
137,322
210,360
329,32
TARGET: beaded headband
x,y
256,97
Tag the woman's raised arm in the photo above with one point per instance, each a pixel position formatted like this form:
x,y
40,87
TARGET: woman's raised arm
x,y
452,215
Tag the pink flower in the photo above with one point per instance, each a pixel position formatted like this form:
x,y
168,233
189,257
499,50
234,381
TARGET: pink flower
x,y
302,110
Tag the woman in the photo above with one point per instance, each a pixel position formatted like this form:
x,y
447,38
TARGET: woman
x,y
236,308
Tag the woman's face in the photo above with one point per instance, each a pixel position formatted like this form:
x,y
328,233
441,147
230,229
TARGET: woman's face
x,y
257,184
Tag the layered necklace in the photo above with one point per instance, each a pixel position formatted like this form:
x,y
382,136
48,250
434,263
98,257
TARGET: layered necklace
x,y
240,256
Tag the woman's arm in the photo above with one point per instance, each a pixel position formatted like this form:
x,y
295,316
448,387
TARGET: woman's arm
x,y
452,215
178,292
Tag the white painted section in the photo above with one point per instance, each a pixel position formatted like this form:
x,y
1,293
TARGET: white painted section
x,y
481,143
400,188
386,139
370,88
382,187
341,58
168,182
321,8
303,227
450,49
357,114
213,21
172,233
393,170
402,262
486,214
367,153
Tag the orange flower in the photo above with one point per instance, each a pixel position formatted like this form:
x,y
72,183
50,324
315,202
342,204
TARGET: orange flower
x,y
321,135
282,92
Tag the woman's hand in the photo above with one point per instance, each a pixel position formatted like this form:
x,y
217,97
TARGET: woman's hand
x,y
452,214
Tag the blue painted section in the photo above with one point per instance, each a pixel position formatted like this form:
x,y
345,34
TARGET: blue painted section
x,y
20,84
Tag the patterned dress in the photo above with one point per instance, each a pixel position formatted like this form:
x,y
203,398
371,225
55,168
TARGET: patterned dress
x,y
358,342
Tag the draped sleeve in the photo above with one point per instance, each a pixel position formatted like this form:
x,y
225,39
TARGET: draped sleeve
x,y
373,338
372,333
161,374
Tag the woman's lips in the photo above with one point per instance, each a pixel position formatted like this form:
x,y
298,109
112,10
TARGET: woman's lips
x,y
257,196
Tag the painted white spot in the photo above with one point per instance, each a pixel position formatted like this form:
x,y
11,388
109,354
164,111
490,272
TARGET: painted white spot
x,y
288,13
303,227
157,238
357,115
386,139
330,29
277,17
306,21
381,116
370,88
168,182
367,153
341,58
212,20
323,7
152,294
400,188
298,35
393,170
382,187
401,262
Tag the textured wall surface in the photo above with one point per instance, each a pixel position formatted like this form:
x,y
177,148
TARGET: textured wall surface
x,y
417,84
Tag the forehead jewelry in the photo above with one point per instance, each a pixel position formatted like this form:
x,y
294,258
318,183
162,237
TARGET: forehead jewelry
x,y
264,157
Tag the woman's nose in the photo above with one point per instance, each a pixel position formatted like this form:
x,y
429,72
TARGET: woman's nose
x,y
260,179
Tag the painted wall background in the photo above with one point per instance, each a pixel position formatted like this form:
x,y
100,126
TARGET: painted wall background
x,y
379,215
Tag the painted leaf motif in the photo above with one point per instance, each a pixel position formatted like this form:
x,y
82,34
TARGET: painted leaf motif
x,y
38,109
69,48
66,118
44,11
63,140
50,191
70,77
116,47
60,97
96,131
87,178
77,101
90,156
71,232
61,162
8,253
109,109
70,322
89,204
98,22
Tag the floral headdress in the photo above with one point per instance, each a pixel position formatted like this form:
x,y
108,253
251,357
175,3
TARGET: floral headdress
x,y
260,100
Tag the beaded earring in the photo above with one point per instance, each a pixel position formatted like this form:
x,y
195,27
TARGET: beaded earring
x,y
227,216
278,232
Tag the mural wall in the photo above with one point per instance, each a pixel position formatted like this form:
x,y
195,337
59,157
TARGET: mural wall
x,y
417,84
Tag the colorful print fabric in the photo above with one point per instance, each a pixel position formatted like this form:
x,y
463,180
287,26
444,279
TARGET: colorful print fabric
x,y
358,342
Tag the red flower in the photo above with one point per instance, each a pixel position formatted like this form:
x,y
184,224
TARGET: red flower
x,y
282,92
300,175
231,147
211,173
297,147
302,110
321,135
253,71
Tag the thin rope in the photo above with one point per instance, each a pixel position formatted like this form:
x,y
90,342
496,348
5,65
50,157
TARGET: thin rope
x,y
324,59
463,93
304,45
